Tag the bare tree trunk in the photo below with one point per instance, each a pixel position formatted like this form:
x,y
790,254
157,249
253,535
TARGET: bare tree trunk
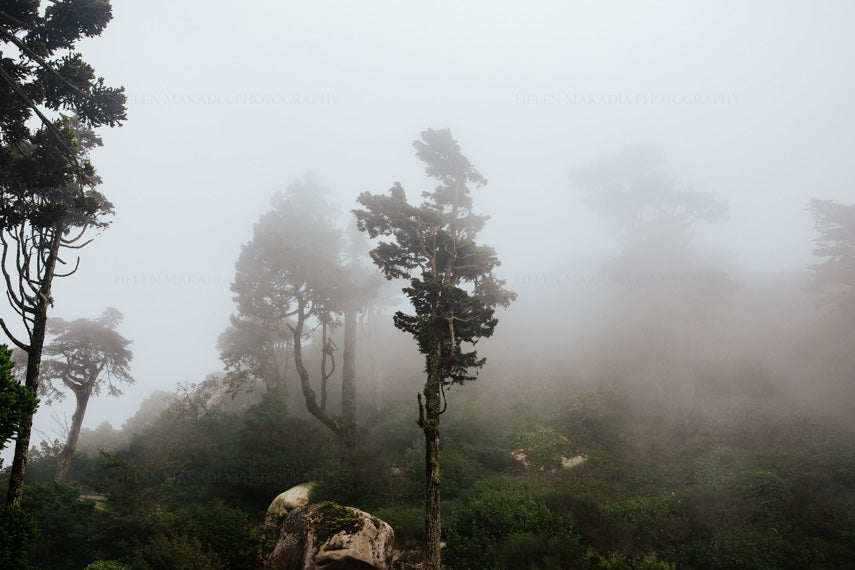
x,y
429,422
331,421
34,359
73,435
378,375
348,382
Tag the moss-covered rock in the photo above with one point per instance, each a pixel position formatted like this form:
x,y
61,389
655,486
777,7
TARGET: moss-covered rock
x,y
330,536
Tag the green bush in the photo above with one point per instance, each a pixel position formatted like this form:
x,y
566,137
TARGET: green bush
x,y
364,484
495,510
764,489
18,534
616,561
107,565
597,419
544,448
222,530
408,521
171,552
537,551
68,524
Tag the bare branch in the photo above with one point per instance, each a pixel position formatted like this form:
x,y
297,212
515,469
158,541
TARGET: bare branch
x,y
18,343
66,241
69,245
72,272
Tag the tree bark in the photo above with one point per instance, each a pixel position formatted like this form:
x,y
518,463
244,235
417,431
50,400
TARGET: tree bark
x,y
348,381
74,434
329,420
429,420
34,359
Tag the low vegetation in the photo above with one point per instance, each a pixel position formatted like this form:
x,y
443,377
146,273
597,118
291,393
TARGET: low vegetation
x,y
751,485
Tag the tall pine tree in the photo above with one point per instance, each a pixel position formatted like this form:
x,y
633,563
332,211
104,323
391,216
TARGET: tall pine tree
x,y
453,289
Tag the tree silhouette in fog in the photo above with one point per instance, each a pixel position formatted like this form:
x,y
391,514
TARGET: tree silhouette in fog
x,y
294,278
452,288
835,245
87,357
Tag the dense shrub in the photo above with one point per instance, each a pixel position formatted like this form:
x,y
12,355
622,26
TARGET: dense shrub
x,y
408,521
222,530
495,510
107,565
68,525
18,534
171,552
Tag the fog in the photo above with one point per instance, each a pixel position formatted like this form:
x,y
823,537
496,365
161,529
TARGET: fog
x,y
227,105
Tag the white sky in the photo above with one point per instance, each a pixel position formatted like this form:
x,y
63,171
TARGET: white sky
x,y
229,103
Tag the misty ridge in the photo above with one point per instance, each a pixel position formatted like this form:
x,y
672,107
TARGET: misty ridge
x,y
421,287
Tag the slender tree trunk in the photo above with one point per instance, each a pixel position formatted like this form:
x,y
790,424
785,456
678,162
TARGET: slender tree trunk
x,y
73,435
348,382
34,359
429,421
377,390
332,422
325,351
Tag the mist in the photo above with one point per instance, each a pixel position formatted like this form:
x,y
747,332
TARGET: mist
x,y
750,102
649,167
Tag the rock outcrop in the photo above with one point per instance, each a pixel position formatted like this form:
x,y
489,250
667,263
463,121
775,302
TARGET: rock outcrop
x,y
286,502
332,537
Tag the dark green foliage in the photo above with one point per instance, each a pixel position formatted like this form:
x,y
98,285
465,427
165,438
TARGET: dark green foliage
x,y
408,521
18,534
452,288
755,487
767,490
540,551
497,509
69,525
616,561
365,483
171,552
16,401
596,419
222,530
107,565
44,74
544,447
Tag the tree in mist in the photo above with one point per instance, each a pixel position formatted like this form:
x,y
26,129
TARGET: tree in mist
x,y
452,288
46,179
293,278
662,289
256,350
654,215
87,357
835,275
41,73
48,207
